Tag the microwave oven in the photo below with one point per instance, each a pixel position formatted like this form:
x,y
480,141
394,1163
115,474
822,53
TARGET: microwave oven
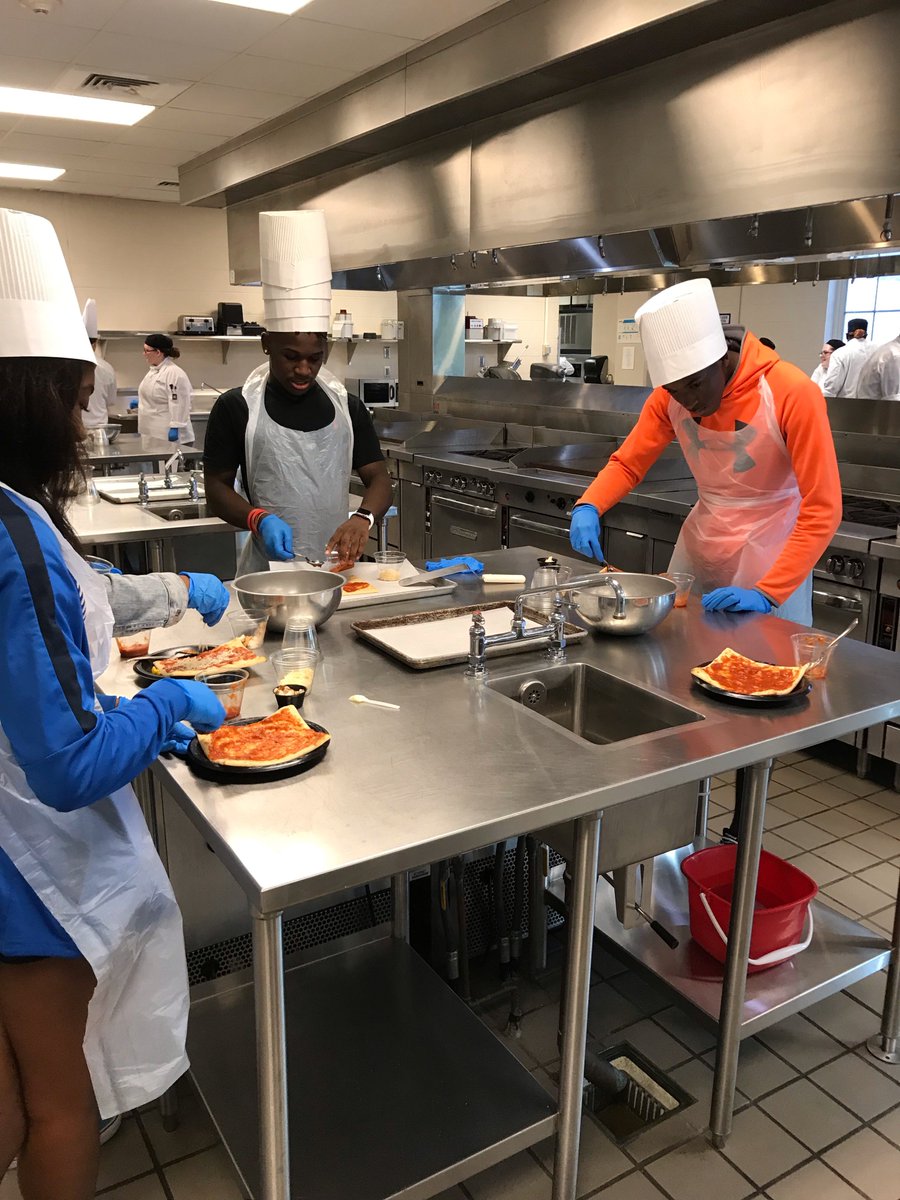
x,y
374,393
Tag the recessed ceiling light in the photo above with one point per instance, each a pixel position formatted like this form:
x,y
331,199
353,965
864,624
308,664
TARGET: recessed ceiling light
x,y
26,103
26,171
286,8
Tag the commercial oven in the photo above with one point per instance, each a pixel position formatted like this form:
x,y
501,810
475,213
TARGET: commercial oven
x,y
458,524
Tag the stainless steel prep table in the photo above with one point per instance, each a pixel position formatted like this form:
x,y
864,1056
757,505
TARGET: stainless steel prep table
x,y
108,524
133,448
364,814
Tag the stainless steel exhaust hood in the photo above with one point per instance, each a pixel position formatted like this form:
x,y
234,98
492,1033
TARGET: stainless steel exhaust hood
x,y
752,149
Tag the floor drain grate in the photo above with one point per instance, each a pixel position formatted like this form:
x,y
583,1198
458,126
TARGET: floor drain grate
x,y
649,1097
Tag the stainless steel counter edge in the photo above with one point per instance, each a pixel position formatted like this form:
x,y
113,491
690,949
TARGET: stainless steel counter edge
x,y
886,548
461,766
105,523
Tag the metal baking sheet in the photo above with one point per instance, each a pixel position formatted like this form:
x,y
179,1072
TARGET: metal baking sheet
x,y
448,654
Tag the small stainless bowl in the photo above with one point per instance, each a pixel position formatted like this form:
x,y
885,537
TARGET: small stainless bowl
x,y
112,432
307,593
648,599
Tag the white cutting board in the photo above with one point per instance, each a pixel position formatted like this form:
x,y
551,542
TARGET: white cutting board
x,y
432,643
390,591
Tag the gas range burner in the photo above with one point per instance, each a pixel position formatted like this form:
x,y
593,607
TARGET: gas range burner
x,y
493,454
863,510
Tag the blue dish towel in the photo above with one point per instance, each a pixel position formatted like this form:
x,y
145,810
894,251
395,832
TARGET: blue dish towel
x,y
467,565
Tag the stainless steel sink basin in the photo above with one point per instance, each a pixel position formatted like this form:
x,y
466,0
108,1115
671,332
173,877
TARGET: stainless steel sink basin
x,y
598,707
178,510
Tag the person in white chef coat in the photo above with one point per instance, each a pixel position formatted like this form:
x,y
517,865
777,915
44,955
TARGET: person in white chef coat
x,y
842,376
818,375
164,395
879,378
104,390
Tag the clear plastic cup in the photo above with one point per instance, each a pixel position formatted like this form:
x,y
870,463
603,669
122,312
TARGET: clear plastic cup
x,y
811,646
683,584
134,645
229,687
295,666
249,627
390,565
300,634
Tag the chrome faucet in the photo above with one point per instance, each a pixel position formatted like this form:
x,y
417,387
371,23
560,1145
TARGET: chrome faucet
x,y
195,486
167,482
175,460
143,490
555,629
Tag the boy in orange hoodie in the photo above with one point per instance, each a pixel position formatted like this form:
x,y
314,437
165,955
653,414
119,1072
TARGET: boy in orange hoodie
x,y
754,431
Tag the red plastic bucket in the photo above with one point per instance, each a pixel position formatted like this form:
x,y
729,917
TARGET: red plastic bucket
x,y
783,893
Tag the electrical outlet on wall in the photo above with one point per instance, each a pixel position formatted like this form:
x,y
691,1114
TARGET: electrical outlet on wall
x,y
387,352
545,350
387,372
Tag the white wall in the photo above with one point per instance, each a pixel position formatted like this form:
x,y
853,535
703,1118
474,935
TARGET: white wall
x,y
537,318
146,264
793,316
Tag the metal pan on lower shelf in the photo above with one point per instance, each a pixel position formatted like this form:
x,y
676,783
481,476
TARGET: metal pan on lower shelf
x,y
204,768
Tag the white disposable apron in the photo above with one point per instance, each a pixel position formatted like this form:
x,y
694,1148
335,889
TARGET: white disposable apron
x,y
97,872
302,477
748,504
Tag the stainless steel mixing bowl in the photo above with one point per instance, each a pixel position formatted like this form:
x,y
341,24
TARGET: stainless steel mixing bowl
x,y
648,599
307,593
112,432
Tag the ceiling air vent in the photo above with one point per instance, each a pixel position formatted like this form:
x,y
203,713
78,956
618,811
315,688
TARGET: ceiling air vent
x,y
117,84
168,183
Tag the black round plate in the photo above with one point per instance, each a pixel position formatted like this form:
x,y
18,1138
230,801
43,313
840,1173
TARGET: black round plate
x,y
218,773
802,689
141,666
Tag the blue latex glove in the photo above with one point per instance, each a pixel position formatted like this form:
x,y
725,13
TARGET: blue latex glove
x,y
584,533
180,737
467,564
104,569
208,595
735,599
173,434
133,403
277,537
206,711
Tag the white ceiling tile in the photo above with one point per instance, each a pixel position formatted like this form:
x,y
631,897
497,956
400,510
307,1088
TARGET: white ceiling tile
x,y
355,50
151,173
210,97
221,125
192,143
84,14
89,131
404,18
50,147
119,54
40,73
32,38
195,22
278,75
163,156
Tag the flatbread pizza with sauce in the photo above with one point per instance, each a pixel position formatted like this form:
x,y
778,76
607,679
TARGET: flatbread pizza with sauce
x,y
733,672
359,587
230,656
278,738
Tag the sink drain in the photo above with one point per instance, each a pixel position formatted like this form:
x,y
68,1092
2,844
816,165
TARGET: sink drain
x,y
649,1097
533,693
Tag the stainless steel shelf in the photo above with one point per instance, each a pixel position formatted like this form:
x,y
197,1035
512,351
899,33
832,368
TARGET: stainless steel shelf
x,y
395,1087
841,953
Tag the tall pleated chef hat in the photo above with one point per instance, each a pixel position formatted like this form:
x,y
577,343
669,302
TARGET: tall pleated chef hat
x,y
39,313
296,271
681,331
89,317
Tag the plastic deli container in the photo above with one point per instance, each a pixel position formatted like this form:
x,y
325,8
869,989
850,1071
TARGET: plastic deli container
x,y
782,912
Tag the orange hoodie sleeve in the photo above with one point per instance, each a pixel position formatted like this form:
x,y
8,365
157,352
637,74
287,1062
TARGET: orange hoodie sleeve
x,y
803,420
637,454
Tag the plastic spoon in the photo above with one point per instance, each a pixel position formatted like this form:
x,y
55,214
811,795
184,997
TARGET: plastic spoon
x,y
357,699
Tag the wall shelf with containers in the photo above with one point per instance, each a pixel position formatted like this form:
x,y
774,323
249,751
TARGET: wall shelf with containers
x,y
352,343
224,340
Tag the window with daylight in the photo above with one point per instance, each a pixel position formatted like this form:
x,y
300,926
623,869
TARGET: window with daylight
x,y
878,301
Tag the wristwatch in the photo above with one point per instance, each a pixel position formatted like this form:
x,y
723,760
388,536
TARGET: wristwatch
x,y
366,515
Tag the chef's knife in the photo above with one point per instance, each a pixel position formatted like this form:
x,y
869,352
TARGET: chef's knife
x,y
430,576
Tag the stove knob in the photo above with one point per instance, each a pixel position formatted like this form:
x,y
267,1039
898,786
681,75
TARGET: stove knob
x,y
561,502
429,476
438,476
454,481
856,568
529,497
835,564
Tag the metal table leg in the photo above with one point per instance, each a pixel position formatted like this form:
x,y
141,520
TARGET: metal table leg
x,y
271,1057
886,1046
753,809
537,910
704,789
578,980
400,905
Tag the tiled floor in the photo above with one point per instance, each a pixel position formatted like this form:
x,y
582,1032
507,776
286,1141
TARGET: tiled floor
x,y
817,1117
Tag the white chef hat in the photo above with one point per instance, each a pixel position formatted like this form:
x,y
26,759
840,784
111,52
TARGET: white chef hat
x,y
89,317
295,267
39,313
681,331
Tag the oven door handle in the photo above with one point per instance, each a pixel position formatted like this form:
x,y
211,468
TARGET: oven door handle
x,y
832,601
476,510
538,527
